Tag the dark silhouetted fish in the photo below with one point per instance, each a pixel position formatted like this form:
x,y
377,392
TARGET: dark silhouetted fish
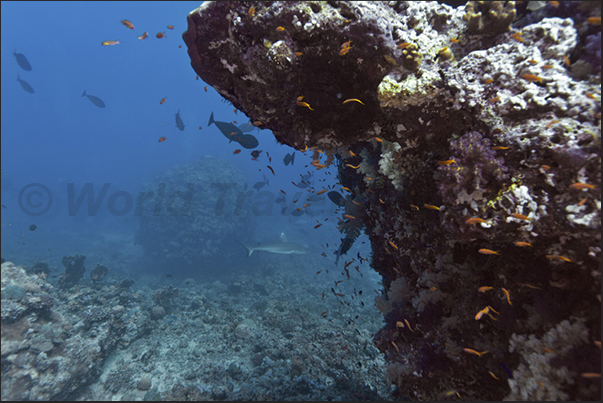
x,y
260,184
22,61
336,198
289,158
95,100
315,198
247,141
230,131
346,244
33,227
256,153
246,127
301,184
179,122
25,85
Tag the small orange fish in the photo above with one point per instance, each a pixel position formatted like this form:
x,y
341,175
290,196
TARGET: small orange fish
x,y
353,166
489,81
236,151
160,35
162,101
520,216
485,251
447,162
322,191
414,207
200,127
545,167
280,29
493,100
522,244
271,170
317,225
353,100
431,207
349,217
474,220
558,257
300,103
484,289
581,186
454,40
594,20
352,153
547,67
110,43
298,53
379,140
344,188
499,148
162,139
483,312
305,205
533,62
143,36
205,88
554,4
591,96
517,36
257,123
128,24
170,27
393,245
551,123
507,295
251,12
532,78
471,351
404,45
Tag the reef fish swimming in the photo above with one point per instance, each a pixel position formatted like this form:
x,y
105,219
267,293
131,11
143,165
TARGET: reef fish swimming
x,y
234,133
95,100
289,158
25,85
179,122
284,247
22,61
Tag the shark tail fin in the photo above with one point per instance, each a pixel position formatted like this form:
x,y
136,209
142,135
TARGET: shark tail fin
x,y
211,120
248,248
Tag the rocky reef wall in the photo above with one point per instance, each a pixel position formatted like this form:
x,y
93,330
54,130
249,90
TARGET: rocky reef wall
x,y
471,139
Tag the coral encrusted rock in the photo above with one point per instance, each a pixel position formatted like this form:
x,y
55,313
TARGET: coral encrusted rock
x,y
472,145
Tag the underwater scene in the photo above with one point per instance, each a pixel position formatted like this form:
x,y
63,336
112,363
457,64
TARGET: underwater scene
x,y
301,200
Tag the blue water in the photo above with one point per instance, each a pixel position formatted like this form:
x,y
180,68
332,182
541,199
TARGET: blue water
x,y
55,141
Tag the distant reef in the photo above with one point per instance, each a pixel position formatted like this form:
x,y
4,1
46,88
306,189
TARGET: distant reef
x,y
470,141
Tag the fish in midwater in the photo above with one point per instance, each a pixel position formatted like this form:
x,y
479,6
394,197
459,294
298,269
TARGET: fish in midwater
x,y
284,247
246,127
95,100
22,61
289,158
260,184
25,85
346,244
33,227
179,122
230,131
336,198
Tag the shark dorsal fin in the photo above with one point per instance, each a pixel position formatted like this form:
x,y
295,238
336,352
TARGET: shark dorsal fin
x,y
284,237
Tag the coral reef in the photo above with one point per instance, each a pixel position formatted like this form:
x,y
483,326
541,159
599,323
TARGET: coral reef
x,y
55,340
74,270
190,212
478,172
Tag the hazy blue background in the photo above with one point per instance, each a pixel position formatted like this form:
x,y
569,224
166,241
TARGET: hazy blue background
x,y
55,136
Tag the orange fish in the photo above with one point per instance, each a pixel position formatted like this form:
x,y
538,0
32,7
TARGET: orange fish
x,y
431,207
271,170
110,43
160,35
404,45
317,225
393,245
522,244
508,296
594,20
257,123
532,78
488,252
484,289
170,27
489,81
162,101
558,257
353,100
471,351
520,216
498,148
321,192
236,151
143,36
493,100
251,12
475,220
349,217
353,166
447,162
127,24
162,139
581,186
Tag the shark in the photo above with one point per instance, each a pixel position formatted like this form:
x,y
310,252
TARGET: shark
x,y
284,247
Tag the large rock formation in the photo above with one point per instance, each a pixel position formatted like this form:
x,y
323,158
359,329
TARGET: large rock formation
x,y
479,172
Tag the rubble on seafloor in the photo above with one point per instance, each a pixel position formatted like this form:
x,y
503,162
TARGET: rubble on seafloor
x,y
470,141
264,335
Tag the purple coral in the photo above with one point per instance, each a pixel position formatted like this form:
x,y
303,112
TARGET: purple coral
x,y
476,168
